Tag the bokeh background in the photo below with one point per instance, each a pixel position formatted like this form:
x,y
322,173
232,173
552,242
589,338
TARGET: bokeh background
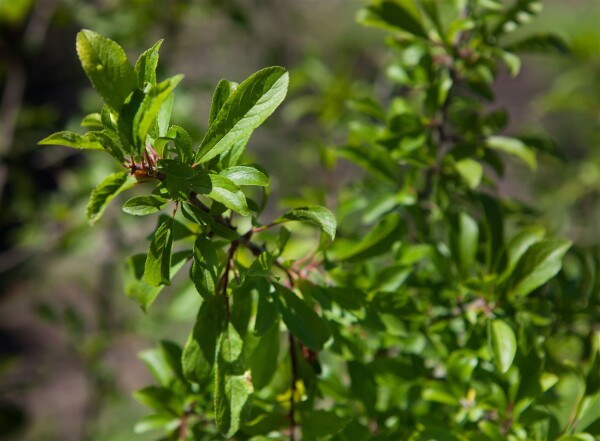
x,y
69,338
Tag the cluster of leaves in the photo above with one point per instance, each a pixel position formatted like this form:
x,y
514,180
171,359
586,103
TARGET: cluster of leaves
x,y
432,317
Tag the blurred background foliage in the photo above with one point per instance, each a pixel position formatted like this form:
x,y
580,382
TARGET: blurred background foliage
x,y
68,335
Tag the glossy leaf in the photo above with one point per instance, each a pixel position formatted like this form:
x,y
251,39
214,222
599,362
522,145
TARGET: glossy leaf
x,y
144,205
468,237
539,263
227,193
504,344
520,243
245,175
513,147
245,109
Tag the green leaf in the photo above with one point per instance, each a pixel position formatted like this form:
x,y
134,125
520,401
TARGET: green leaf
x,y
263,361
145,67
93,121
183,143
200,350
105,192
592,382
149,108
521,243
172,167
222,92
504,344
314,215
233,385
155,362
110,141
394,15
160,399
155,422
164,117
227,193
245,175
467,238
171,353
106,65
514,147
267,313
247,107
70,139
136,287
541,262
143,205
157,270
513,62
377,241
302,320
205,267
540,43
363,385
261,267
471,171
232,155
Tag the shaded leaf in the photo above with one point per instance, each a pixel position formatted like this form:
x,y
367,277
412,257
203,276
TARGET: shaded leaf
x,y
105,192
157,270
377,241
200,350
395,15
514,147
314,215
222,92
541,43
301,320
263,361
172,167
136,287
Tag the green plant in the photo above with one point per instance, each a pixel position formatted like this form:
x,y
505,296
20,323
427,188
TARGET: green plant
x,y
421,321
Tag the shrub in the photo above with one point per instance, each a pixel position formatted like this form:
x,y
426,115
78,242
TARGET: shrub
x,y
436,314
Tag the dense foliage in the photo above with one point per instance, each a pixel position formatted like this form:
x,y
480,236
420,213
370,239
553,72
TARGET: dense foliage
x,y
439,312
